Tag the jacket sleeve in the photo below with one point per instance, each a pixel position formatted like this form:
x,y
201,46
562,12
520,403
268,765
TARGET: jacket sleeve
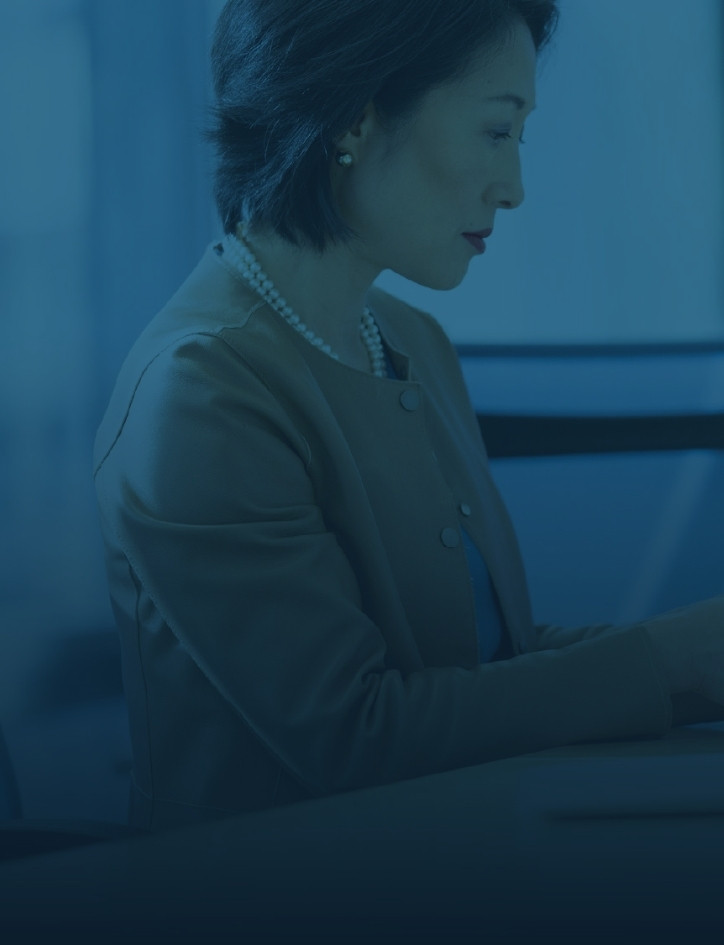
x,y
552,637
687,708
207,490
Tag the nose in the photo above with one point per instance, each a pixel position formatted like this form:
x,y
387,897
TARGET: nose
x,y
513,203
507,191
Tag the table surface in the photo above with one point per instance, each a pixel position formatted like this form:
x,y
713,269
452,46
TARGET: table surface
x,y
603,840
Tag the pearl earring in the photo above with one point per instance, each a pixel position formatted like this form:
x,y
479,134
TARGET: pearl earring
x,y
345,160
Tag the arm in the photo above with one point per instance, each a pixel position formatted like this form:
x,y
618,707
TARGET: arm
x,y
687,707
552,637
220,521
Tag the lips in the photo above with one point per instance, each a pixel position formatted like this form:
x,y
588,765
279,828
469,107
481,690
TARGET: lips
x,y
483,234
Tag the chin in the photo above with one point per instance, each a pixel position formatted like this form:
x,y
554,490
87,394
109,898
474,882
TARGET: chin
x,y
441,277
441,281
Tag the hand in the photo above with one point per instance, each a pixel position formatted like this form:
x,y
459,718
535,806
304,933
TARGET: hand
x,y
688,644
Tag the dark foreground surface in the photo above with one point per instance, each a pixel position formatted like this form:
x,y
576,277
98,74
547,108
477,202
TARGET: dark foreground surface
x,y
614,842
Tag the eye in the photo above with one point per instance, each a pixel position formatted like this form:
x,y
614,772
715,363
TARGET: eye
x,y
504,136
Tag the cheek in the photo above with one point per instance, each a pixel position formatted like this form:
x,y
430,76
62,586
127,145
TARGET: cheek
x,y
425,189
452,177
382,201
429,191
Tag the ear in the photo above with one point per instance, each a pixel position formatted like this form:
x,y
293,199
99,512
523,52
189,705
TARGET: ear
x,y
366,122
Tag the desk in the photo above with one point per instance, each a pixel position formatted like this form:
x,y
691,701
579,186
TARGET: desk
x,y
609,842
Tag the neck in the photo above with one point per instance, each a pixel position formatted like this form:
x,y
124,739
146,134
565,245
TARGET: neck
x,y
242,257
327,291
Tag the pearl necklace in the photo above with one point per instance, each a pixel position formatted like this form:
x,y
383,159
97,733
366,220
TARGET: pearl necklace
x,y
245,262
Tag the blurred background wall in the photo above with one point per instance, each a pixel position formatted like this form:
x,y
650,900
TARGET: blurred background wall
x,y
105,207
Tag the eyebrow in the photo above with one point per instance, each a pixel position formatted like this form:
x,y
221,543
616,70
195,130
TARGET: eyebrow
x,y
520,103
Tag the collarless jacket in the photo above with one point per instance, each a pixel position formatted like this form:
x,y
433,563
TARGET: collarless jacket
x,y
286,569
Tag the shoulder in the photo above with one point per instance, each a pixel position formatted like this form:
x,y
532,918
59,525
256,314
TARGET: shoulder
x,y
194,360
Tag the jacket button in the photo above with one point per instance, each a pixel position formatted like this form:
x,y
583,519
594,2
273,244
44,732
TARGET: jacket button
x,y
410,400
466,510
450,537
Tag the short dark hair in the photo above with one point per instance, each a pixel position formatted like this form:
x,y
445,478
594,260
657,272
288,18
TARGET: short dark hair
x,y
292,76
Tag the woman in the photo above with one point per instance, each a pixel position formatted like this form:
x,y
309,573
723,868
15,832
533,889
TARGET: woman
x,y
316,582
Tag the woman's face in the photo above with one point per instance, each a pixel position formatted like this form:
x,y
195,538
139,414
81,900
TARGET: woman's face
x,y
456,165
